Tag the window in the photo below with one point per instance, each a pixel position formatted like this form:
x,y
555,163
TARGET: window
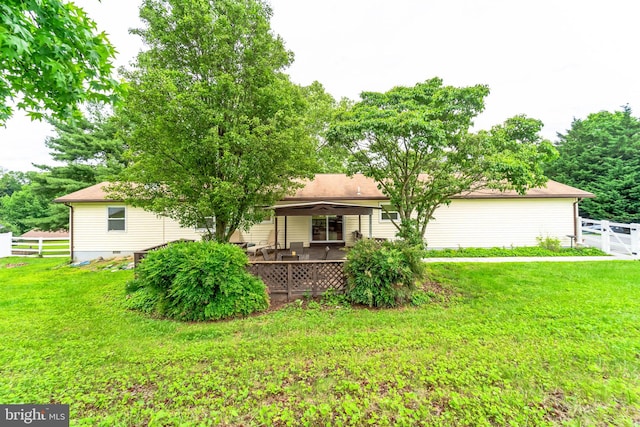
x,y
325,228
206,225
116,218
389,214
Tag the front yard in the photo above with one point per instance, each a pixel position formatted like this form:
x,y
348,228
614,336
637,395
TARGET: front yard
x,y
517,344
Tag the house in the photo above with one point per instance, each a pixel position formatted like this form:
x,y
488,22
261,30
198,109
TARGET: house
x,y
35,234
329,209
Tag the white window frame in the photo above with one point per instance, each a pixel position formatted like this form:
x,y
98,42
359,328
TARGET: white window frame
x,y
268,220
391,212
109,219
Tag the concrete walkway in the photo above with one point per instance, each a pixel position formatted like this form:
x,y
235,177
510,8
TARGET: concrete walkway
x,y
536,259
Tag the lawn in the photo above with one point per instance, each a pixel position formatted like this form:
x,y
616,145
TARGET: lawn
x,y
516,344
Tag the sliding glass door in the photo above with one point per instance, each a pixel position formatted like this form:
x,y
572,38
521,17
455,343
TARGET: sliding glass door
x,y
327,228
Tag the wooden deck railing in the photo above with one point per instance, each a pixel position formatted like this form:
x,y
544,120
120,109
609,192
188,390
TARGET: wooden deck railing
x,y
293,279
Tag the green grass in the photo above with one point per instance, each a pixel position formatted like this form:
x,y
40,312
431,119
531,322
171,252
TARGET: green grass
x,y
523,251
517,344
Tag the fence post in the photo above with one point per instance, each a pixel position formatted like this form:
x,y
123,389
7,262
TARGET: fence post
x,y
635,239
579,232
40,246
289,283
605,235
6,242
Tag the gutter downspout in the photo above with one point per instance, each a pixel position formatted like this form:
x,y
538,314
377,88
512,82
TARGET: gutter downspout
x,y
71,239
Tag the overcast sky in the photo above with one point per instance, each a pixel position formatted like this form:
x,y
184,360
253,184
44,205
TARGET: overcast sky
x,y
549,59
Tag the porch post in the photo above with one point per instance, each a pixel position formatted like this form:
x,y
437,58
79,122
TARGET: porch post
x,y
285,232
275,241
370,225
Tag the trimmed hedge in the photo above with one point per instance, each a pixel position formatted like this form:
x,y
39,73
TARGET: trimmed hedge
x,y
196,281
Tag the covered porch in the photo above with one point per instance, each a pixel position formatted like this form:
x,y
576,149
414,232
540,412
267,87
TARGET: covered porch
x,y
323,227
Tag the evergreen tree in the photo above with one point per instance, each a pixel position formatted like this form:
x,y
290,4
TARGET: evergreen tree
x,y
89,152
601,154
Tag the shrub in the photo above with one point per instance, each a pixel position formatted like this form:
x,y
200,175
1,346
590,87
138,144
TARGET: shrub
x,y
196,281
550,243
383,274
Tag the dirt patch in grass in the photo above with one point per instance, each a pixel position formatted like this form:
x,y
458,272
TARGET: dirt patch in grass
x,y
439,291
20,264
555,406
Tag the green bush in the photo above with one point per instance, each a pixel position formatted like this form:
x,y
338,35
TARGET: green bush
x,y
550,243
383,274
196,281
524,251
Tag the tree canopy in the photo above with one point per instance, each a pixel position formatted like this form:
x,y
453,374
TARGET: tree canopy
x,y
601,154
415,143
52,59
87,151
217,129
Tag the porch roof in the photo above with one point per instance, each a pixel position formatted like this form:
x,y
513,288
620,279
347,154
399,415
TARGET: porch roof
x,y
322,208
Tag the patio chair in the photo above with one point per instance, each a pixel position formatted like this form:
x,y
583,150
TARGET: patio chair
x,y
297,247
266,256
269,243
237,239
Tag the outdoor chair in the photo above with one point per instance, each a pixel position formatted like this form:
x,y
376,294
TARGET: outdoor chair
x,y
266,256
237,239
269,243
297,248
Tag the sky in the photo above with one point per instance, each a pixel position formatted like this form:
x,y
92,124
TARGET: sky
x,y
549,59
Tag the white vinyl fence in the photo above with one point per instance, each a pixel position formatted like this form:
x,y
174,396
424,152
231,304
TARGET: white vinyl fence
x,y
610,237
5,245
40,246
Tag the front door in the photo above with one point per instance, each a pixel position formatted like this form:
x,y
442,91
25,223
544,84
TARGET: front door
x,y
327,228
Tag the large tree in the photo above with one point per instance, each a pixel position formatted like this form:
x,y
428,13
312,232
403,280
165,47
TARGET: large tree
x,y
11,181
415,143
52,59
601,154
87,151
23,209
217,129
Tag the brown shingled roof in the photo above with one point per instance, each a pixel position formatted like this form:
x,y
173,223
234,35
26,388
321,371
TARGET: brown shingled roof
x,y
95,193
35,233
356,187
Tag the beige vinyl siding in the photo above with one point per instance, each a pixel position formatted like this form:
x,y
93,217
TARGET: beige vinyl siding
x,y
259,233
500,222
298,229
464,223
483,223
142,229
